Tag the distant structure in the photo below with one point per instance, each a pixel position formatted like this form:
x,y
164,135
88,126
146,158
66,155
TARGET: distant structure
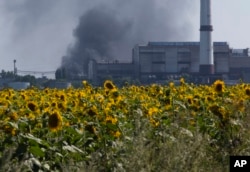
x,y
15,69
162,60
158,61
206,47
99,71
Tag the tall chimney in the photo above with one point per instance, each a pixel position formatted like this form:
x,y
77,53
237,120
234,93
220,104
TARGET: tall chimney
x,y
206,45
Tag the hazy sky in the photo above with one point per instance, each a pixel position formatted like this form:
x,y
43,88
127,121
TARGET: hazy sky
x,y
37,33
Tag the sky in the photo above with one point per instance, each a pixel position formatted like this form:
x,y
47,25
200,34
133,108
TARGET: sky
x,y
39,34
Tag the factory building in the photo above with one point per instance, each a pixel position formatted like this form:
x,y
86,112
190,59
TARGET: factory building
x,y
98,71
161,60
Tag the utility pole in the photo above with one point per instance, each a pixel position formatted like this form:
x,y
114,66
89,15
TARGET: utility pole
x,y
15,69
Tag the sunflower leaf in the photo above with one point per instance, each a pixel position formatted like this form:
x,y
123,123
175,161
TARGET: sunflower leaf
x,y
39,141
36,151
14,125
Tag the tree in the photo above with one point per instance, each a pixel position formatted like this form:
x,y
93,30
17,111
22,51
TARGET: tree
x,y
7,74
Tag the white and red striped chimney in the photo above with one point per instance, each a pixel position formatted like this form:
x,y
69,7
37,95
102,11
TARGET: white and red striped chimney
x,y
206,44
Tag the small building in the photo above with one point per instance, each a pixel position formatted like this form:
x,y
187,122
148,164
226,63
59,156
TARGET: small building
x,y
18,85
99,71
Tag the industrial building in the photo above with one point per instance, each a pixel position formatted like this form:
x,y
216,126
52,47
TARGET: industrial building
x,y
159,61
163,58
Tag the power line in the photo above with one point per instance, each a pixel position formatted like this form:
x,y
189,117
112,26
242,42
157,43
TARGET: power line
x,y
36,72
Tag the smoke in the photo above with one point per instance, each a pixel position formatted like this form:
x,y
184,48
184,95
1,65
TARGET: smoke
x,y
98,31
109,31
44,34
37,33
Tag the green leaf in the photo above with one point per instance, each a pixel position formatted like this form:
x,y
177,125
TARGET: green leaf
x,y
77,149
176,102
30,136
69,148
36,151
14,125
72,148
33,138
111,126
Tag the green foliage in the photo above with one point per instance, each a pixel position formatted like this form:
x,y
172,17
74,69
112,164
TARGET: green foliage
x,y
133,128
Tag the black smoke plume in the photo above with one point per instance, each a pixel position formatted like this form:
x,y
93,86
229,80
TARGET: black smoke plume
x,y
109,32
98,31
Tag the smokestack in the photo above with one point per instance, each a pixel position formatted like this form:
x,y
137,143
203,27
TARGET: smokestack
x,y
206,45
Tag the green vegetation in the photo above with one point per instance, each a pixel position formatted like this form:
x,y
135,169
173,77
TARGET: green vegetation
x,y
132,128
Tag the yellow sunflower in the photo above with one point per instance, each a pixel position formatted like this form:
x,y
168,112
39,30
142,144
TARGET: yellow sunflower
x,y
110,119
247,91
182,81
152,111
92,111
116,134
14,116
190,99
84,83
219,111
219,86
32,106
55,121
109,85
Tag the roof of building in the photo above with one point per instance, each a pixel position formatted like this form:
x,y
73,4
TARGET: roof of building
x,y
183,43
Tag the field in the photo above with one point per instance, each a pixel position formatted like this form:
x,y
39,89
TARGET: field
x,y
133,128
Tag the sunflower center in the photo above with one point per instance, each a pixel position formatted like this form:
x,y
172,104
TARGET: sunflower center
x,y
54,121
32,106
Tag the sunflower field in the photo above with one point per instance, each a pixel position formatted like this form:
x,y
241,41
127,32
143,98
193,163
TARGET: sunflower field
x,y
133,128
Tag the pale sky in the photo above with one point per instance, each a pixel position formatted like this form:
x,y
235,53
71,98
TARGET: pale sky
x,y
37,34
231,21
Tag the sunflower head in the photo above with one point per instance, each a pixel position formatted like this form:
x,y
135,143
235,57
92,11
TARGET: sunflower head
x,y
171,85
54,104
55,121
109,85
32,106
247,91
24,96
9,130
91,128
92,111
84,83
219,86
219,111
182,81
167,93
190,100
62,97
62,105
110,119
116,134
14,116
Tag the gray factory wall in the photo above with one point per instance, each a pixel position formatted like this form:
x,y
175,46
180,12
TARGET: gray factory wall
x,y
171,60
135,61
239,62
158,60
195,59
115,69
221,58
175,60
221,62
